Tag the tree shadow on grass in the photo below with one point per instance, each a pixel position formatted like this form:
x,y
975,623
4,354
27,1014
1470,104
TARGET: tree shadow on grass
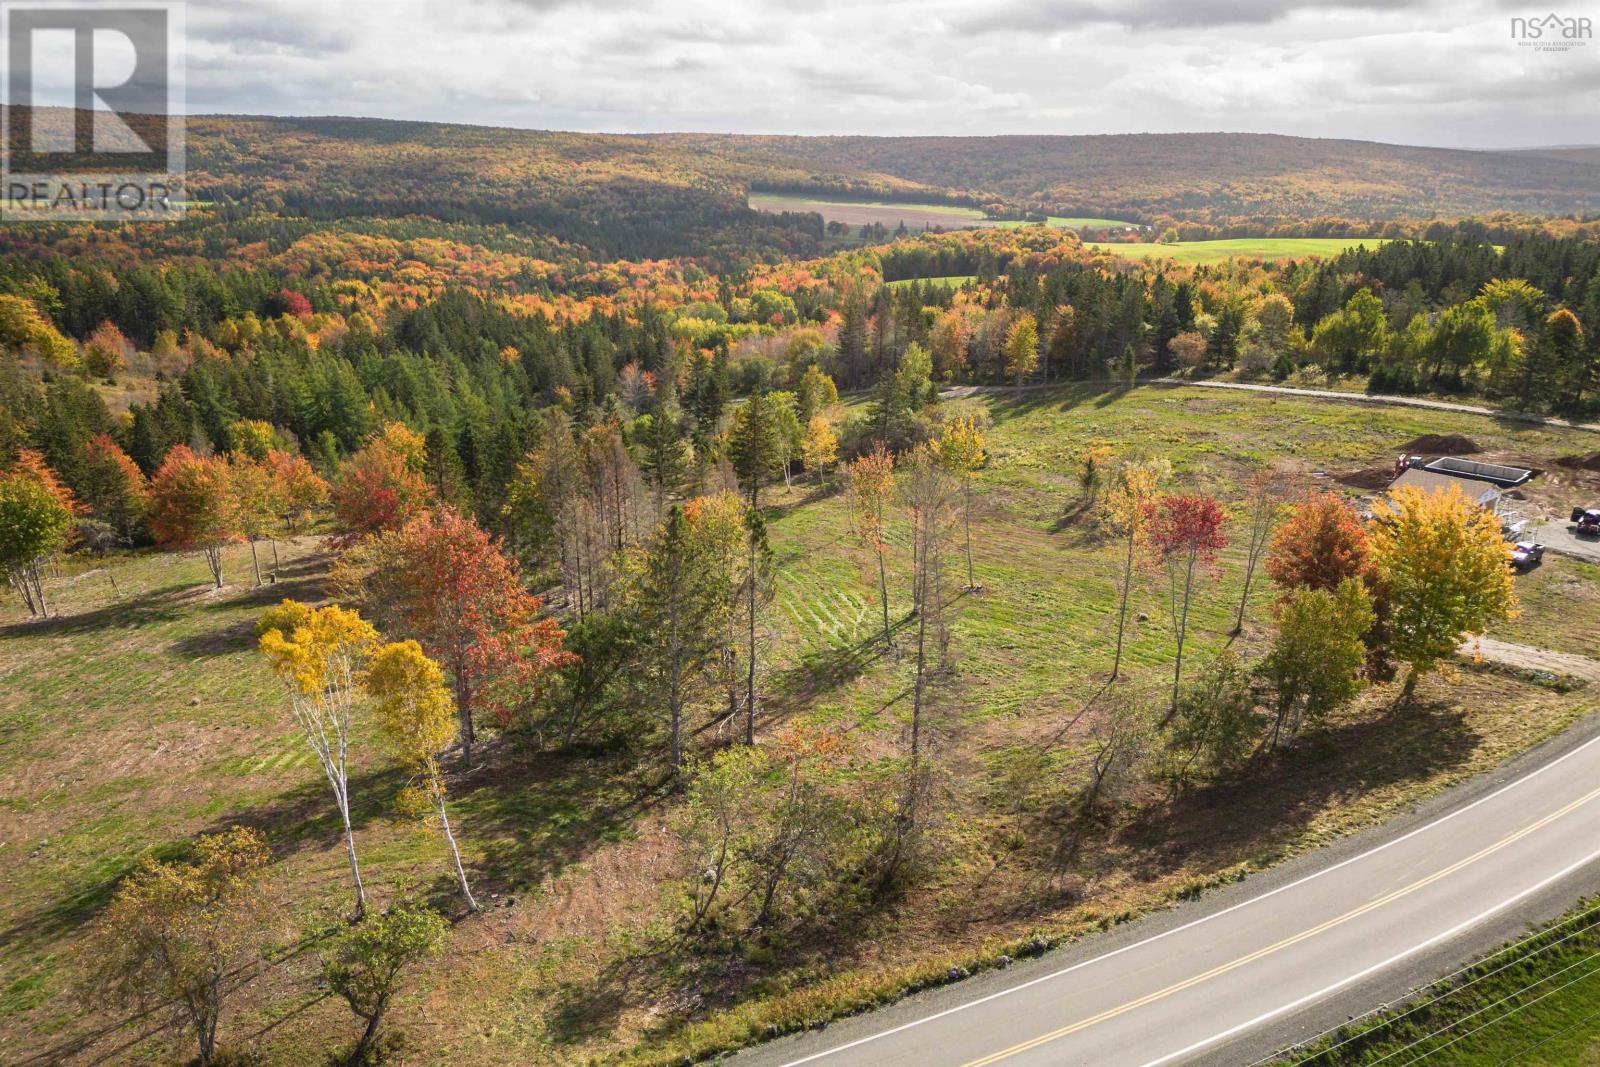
x,y
813,494
822,671
593,1005
236,637
531,816
1260,810
146,609
1223,822
1006,404
302,818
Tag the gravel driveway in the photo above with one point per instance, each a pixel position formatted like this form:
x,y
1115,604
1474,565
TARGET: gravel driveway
x,y
1560,537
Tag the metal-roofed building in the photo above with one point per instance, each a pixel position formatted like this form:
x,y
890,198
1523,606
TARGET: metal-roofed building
x,y
1484,493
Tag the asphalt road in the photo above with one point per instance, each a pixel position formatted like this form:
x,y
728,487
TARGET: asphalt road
x,y
1249,968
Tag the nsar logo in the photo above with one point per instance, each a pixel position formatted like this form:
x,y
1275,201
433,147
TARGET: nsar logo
x,y
1552,33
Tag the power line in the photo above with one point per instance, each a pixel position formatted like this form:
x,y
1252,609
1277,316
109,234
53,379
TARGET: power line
x,y
1548,1038
1587,974
1592,913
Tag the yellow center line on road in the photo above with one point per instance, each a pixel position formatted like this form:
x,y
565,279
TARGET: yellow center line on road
x,y
1293,939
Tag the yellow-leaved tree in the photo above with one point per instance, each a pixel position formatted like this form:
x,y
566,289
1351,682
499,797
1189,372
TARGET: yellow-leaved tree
x,y
176,935
960,451
417,720
869,487
1022,348
1124,509
820,448
1446,571
318,654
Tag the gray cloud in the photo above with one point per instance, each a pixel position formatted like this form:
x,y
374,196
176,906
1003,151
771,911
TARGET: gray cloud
x,y
1412,71
1055,15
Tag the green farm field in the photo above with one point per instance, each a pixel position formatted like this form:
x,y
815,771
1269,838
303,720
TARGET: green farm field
x,y
1198,252
948,281
915,216
141,716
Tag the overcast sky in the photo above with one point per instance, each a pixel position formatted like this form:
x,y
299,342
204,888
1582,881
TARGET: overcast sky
x,y
1436,72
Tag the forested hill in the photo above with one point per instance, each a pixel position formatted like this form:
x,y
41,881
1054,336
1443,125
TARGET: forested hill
x,y
661,195
1199,176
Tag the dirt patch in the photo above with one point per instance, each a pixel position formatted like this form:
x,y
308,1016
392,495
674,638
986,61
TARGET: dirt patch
x,y
1370,479
1452,444
1590,462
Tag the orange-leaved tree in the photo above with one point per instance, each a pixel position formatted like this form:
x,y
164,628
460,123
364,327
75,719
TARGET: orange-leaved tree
x,y
193,506
114,487
443,581
381,487
1322,544
36,514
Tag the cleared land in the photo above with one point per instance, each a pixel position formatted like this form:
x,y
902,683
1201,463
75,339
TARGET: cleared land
x,y
142,716
1193,252
948,281
914,216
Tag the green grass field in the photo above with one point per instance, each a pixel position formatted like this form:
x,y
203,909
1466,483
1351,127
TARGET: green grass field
x,y
142,716
1197,252
914,215
948,281
1534,1003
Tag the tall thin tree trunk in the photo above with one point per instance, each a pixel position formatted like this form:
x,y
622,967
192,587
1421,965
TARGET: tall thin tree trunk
x,y
1183,632
38,588
1122,611
966,519
918,686
255,562
674,681
350,848
883,596
455,853
750,666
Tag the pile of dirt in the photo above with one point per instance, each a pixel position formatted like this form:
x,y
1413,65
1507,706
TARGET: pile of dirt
x,y
1370,479
1591,462
1450,444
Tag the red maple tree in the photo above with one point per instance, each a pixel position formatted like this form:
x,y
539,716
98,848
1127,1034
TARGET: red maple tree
x,y
445,582
1184,533
377,490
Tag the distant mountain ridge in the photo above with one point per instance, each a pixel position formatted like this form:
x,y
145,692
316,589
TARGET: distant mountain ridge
x,y
644,195
1204,176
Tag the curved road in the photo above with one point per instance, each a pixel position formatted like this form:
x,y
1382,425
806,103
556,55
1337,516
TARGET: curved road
x,y
1335,933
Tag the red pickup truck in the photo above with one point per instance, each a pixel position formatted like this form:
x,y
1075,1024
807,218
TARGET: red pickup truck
x,y
1588,521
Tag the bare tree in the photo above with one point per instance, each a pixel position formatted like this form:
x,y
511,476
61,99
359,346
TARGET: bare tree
x,y
1267,490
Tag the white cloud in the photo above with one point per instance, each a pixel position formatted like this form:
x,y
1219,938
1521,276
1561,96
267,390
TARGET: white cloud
x,y
1413,71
